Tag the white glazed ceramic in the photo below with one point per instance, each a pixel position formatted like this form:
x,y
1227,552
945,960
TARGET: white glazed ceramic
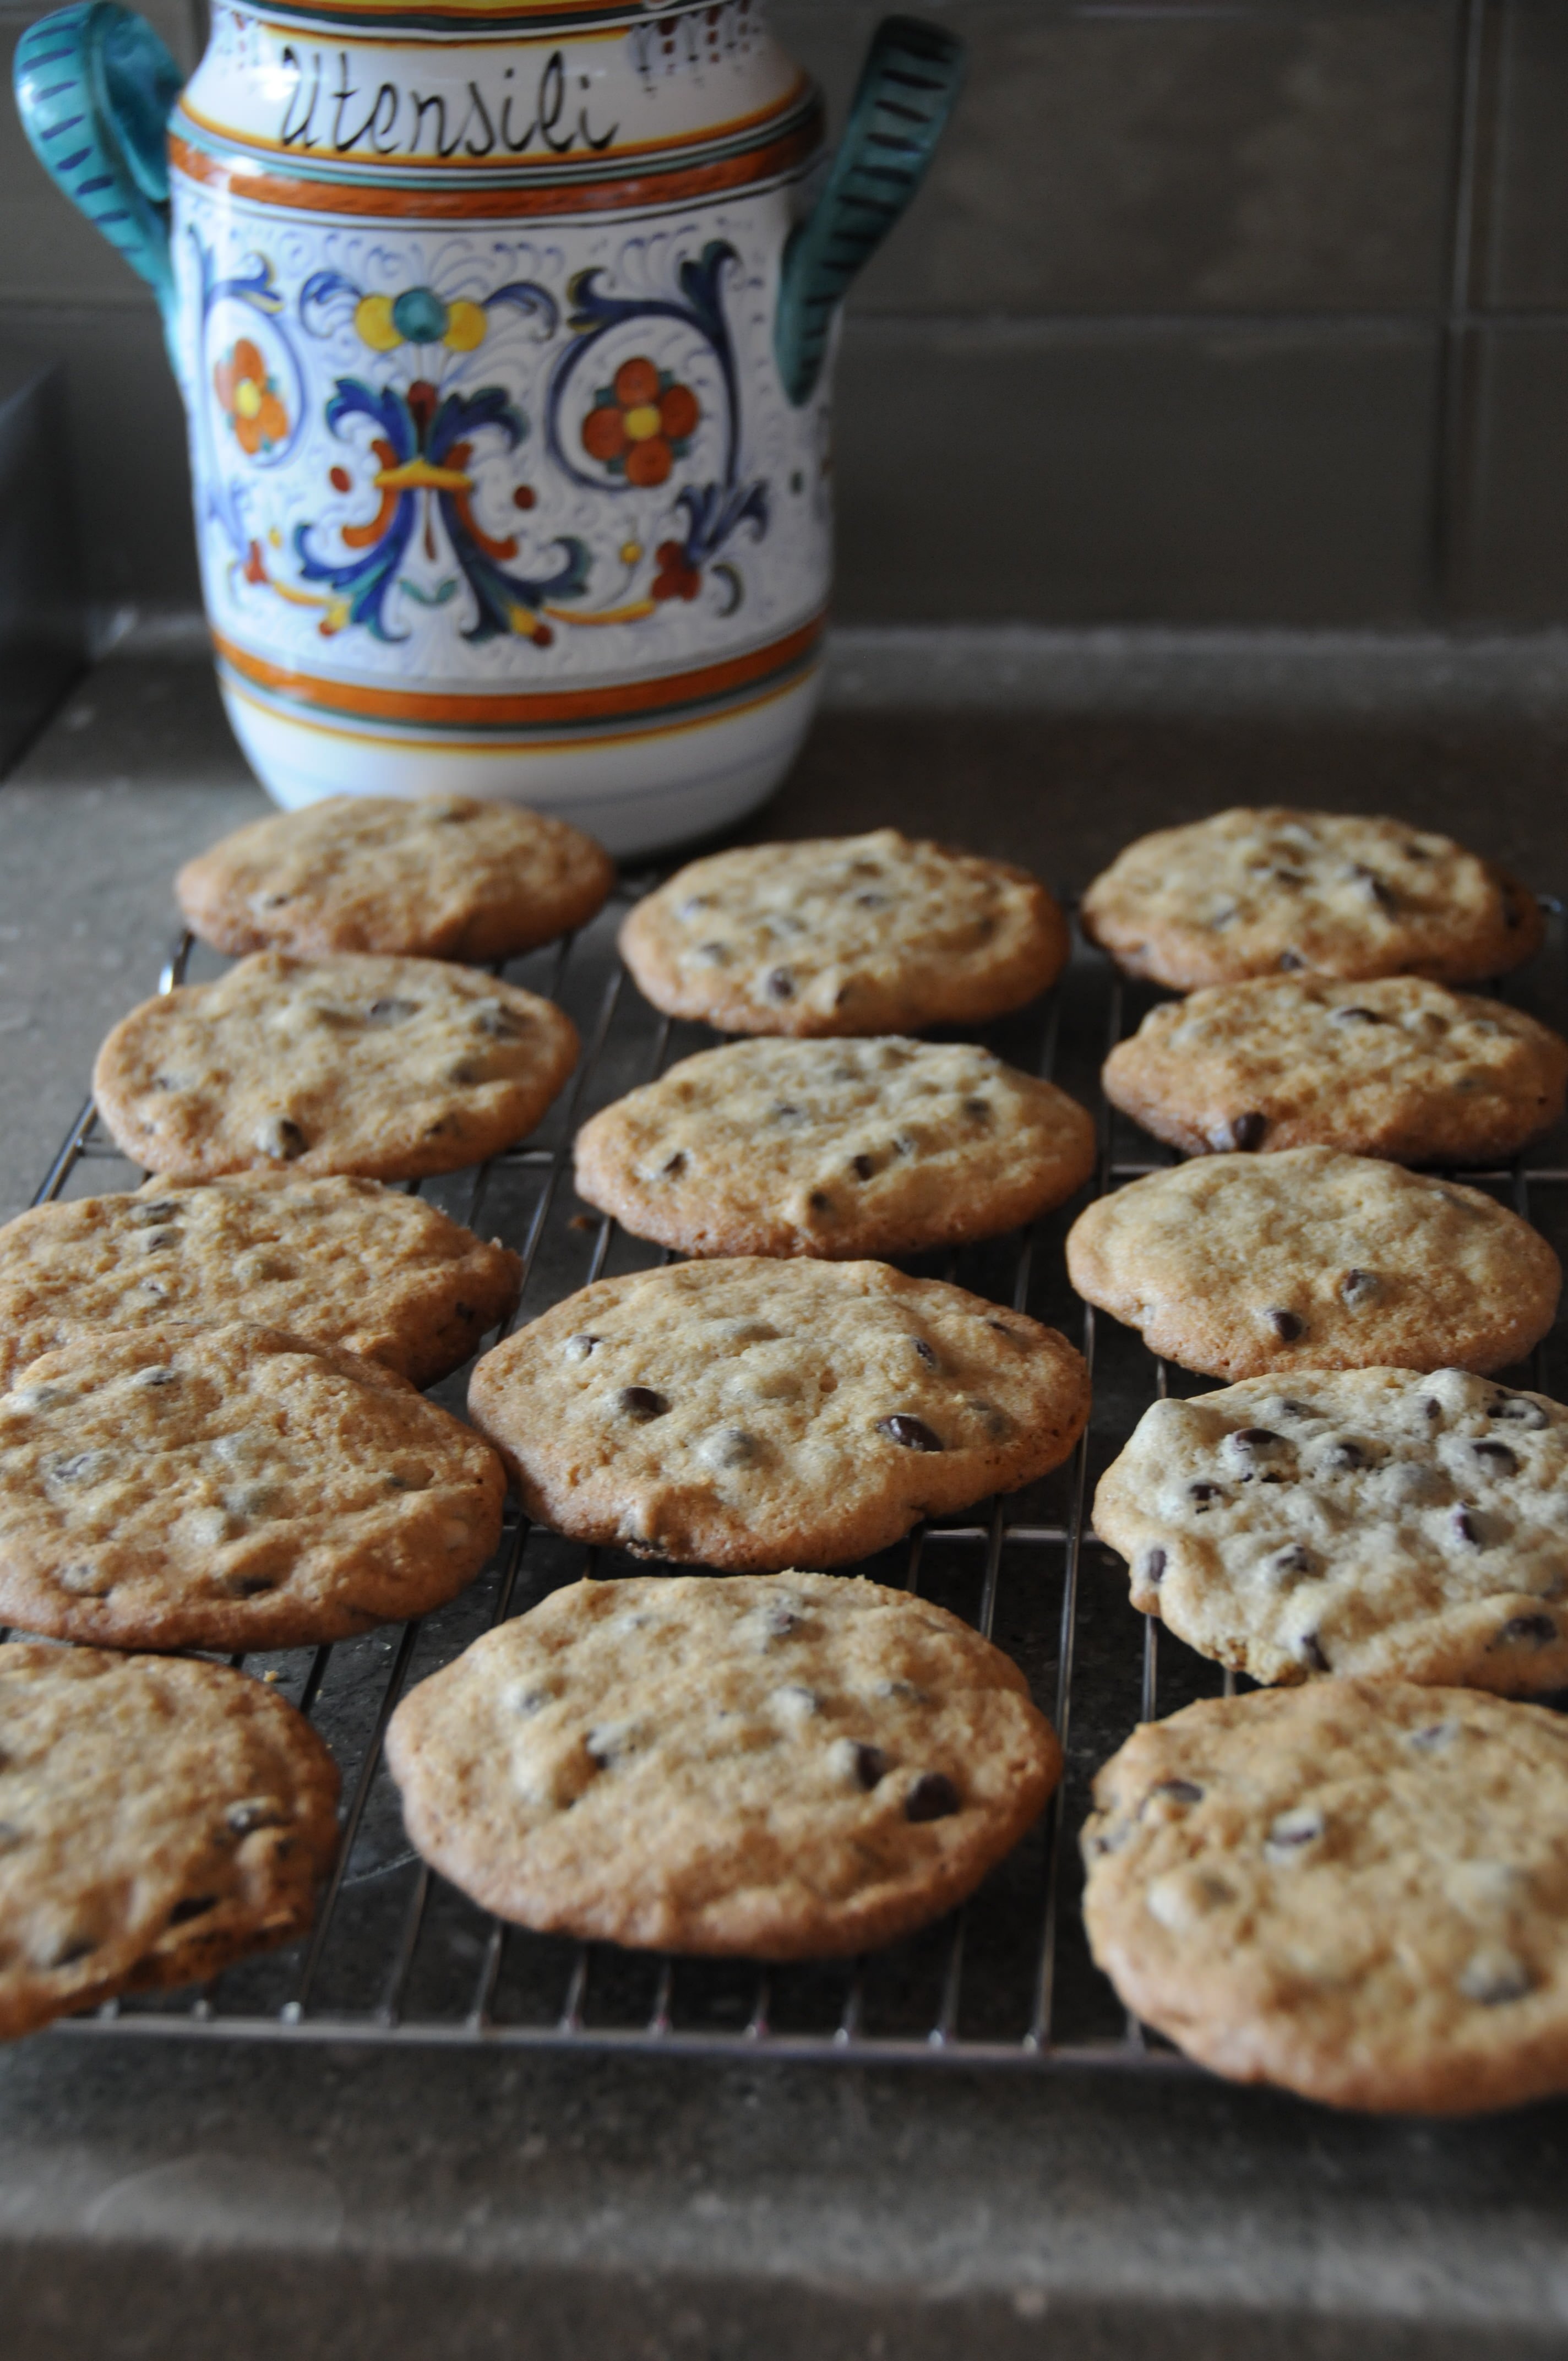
x,y
509,424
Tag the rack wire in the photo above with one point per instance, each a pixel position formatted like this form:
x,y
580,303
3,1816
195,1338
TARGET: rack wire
x,y
397,1956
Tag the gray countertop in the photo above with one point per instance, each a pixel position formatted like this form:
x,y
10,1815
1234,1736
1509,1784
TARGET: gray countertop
x,y
165,2197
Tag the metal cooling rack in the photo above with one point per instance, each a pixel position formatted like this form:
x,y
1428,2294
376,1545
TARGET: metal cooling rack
x,y
397,1956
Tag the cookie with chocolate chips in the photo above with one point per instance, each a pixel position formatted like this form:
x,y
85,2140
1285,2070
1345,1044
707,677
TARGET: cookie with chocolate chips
x,y
338,1262
1251,893
1358,1890
837,1148
235,1488
159,1818
1370,1521
1398,1067
424,877
391,1067
1238,1265
779,1768
753,1415
845,934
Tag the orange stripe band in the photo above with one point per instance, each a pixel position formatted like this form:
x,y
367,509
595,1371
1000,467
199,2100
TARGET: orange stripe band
x,y
675,185
537,709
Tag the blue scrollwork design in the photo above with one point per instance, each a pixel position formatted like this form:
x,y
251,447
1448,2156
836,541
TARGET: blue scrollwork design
x,y
713,512
423,446
254,287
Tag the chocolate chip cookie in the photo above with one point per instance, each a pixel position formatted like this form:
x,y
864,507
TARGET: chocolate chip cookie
x,y
338,1262
1358,1889
1398,1068
783,1768
1240,1265
837,1148
754,1415
159,1818
232,1489
1371,1520
390,1067
432,877
1255,892
846,934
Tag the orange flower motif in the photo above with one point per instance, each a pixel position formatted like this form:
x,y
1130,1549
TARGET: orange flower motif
x,y
248,399
641,424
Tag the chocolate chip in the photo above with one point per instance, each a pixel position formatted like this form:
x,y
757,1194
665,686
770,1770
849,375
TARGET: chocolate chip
x,y
924,1351
1178,1791
1519,1412
1290,1831
731,1446
784,1112
195,1906
1293,1559
871,1767
1359,1287
780,984
249,1586
163,1208
862,1168
912,1432
1432,1408
577,1348
1255,1438
1466,1528
1202,1494
978,1110
1342,1455
673,1164
640,1402
1310,1649
1501,1460
1242,1134
871,901
256,1812
1291,961
1527,1632
280,1139
820,1201
391,1012
1288,1326
1358,1016
1154,1567
1493,1978
778,1622
1377,889
1002,1329
1293,1410
932,1798
714,954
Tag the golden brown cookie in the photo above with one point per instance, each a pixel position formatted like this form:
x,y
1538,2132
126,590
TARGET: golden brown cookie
x,y
1397,1067
1374,1521
1252,893
390,1067
234,1490
779,1768
754,1415
844,934
1358,1889
837,1148
432,877
159,1818
1241,1265
339,1262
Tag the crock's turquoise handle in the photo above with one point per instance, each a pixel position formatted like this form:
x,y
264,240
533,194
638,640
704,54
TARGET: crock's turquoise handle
x,y
908,89
94,87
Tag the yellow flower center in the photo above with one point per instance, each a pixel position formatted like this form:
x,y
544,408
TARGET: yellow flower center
x,y
630,551
247,397
643,423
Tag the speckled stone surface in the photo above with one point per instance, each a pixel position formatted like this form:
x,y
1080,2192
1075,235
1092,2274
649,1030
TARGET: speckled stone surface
x,y
163,2199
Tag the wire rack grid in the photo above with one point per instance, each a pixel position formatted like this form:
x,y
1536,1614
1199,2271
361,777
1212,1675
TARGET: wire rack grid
x,y
397,1956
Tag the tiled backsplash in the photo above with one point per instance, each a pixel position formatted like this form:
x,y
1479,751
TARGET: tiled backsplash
x,y
1241,311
